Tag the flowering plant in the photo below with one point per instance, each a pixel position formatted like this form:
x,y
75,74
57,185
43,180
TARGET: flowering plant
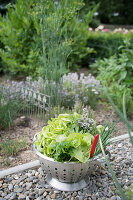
x,y
71,88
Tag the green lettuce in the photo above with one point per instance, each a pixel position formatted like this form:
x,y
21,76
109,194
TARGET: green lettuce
x,y
63,139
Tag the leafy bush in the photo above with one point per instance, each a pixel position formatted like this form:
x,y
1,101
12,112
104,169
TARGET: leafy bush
x,y
18,33
116,74
106,44
21,35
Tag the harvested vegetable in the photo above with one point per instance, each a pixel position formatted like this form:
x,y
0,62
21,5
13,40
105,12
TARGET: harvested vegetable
x,y
65,139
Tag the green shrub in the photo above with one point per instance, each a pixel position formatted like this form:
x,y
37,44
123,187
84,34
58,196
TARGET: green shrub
x,y
106,44
116,74
20,34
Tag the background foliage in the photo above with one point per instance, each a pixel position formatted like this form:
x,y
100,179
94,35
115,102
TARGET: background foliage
x,y
116,73
117,12
114,12
20,34
106,44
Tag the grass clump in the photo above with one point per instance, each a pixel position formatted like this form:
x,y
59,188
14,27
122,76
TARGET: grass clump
x,y
12,147
9,108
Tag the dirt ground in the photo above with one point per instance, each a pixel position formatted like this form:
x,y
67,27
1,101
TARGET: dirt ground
x,y
104,114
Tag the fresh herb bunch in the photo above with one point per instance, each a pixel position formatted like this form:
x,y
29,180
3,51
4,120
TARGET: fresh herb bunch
x,y
87,123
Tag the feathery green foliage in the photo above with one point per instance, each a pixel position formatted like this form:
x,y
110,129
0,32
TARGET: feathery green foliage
x,y
21,36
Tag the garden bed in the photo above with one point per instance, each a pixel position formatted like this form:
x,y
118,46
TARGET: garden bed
x,y
103,113
31,184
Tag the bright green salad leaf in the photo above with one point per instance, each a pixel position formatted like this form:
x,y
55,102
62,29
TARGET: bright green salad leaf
x,y
64,140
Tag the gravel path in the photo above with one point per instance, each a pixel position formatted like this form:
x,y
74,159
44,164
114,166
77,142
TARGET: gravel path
x,y
31,184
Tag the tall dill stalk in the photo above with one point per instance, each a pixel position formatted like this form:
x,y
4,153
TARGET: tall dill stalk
x,y
62,33
56,47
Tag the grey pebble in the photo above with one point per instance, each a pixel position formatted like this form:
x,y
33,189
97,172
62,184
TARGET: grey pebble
x,y
118,198
74,194
13,196
41,191
45,194
113,198
8,196
10,186
28,186
18,190
40,198
21,197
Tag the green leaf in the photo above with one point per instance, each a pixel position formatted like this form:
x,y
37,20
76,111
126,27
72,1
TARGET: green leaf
x,y
123,75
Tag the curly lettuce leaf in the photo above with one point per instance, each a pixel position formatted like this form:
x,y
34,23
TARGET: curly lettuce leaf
x,y
63,140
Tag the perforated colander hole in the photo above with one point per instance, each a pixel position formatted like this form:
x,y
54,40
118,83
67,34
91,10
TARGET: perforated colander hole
x,y
57,174
55,168
64,170
81,169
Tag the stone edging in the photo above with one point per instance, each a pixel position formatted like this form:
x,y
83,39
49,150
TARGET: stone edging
x,y
36,163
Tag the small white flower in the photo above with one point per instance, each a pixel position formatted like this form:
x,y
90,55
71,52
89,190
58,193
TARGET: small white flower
x,y
106,129
100,27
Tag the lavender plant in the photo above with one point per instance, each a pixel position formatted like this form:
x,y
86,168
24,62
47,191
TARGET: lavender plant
x,y
82,90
